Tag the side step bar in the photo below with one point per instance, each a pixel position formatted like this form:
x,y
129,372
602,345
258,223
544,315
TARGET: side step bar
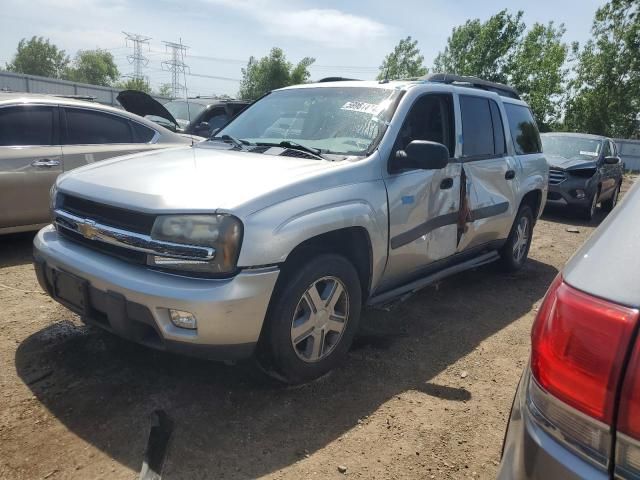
x,y
410,288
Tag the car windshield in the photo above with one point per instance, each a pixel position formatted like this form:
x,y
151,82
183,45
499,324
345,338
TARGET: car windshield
x,y
339,120
573,148
180,110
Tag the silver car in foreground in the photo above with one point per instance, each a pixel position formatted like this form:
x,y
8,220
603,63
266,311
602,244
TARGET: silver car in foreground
x,y
312,202
42,136
577,410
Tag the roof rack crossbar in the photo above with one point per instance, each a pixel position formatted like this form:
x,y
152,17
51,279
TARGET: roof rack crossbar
x,y
474,82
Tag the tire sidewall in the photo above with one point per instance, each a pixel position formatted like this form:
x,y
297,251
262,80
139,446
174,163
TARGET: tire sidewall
x,y
507,252
276,347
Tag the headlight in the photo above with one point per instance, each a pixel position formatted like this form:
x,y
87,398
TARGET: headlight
x,y
223,233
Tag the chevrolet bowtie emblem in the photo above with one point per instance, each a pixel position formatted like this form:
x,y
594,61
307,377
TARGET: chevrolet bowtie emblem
x,y
88,229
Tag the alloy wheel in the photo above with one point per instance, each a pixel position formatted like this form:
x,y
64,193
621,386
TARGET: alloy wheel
x,y
522,239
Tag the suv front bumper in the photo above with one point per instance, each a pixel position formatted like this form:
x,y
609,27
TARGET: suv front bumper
x,y
133,301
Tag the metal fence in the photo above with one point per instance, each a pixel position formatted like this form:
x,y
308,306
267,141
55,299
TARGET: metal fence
x,y
19,82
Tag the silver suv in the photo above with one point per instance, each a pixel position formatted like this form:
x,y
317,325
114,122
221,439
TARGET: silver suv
x,y
313,202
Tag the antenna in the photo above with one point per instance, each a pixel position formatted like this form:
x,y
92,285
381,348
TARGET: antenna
x,y
137,59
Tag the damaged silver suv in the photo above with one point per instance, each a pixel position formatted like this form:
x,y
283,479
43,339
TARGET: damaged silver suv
x,y
315,201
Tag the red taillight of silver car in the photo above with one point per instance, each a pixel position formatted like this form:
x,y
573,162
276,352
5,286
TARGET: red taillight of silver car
x,y
628,431
579,351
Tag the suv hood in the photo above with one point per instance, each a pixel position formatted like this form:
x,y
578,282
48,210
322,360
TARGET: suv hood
x,y
563,163
143,104
196,179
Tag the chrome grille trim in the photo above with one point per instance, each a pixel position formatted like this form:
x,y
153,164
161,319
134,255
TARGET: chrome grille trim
x,y
556,176
130,240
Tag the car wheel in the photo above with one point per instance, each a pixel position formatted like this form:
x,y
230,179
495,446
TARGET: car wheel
x,y
312,320
514,253
587,213
609,204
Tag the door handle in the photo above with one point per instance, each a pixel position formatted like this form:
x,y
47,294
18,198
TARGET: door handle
x,y
510,174
446,184
45,162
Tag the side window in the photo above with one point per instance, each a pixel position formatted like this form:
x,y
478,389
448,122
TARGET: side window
x,y
217,119
90,127
26,125
498,129
606,149
430,118
142,134
524,131
614,149
477,127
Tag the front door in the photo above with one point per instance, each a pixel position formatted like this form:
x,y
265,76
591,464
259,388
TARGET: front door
x,y
30,161
423,204
90,135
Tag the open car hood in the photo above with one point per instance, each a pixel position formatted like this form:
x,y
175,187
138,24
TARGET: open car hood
x,y
144,105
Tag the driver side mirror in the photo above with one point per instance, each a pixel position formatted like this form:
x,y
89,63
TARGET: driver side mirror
x,y
611,160
421,155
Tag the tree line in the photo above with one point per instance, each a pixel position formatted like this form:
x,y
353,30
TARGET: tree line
x,y
592,88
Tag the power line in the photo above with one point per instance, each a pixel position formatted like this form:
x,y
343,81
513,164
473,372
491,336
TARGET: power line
x,y
176,66
137,59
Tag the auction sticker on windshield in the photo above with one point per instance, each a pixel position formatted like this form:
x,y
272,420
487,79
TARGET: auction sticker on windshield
x,y
362,107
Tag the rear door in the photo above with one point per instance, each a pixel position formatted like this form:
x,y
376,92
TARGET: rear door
x,y
30,161
488,190
90,135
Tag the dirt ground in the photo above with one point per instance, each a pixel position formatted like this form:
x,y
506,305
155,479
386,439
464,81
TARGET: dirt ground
x,y
425,394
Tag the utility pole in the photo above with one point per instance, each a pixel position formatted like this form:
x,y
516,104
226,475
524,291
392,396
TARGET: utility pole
x,y
137,59
176,66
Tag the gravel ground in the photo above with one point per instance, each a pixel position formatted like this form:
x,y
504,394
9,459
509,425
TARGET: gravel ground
x,y
425,394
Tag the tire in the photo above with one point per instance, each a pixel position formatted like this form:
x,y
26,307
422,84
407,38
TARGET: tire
x,y
587,213
608,205
513,254
304,336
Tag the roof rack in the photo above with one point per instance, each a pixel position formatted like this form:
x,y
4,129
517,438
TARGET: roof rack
x,y
337,79
474,82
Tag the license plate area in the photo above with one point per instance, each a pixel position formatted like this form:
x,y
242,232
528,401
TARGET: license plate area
x,y
71,291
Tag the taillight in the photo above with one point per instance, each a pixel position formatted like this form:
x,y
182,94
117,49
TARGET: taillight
x,y
628,437
578,349
578,346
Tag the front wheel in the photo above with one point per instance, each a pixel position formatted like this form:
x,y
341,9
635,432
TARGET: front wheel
x,y
514,253
609,204
312,319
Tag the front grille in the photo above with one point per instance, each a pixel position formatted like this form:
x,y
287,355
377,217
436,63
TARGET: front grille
x,y
113,216
556,176
111,250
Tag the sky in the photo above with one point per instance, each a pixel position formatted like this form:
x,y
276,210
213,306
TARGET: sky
x,y
346,38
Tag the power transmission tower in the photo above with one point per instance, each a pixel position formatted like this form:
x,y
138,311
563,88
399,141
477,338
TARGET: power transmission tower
x,y
176,66
137,59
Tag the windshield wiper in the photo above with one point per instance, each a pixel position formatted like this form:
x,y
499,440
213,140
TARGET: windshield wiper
x,y
238,142
294,146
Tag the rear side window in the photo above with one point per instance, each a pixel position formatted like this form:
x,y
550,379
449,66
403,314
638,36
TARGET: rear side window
x,y
477,128
524,130
142,134
498,129
90,127
26,125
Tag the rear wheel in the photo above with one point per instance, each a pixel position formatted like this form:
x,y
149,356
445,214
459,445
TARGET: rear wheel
x,y
312,320
608,205
514,253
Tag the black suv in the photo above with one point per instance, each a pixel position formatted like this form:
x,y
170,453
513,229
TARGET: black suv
x,y
194,116
584,170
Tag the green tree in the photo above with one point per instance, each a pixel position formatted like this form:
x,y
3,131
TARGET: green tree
x,y
134,84
165,90
271,72
38,57
539,72
404,62
604,96
96,67
482,49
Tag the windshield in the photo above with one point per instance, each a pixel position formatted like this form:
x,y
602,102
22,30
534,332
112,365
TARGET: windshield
x,y
573,148
340,120
179,110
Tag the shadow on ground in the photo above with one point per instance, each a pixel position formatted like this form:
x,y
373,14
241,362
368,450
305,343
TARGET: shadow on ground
x,y
570,218
231,422
15,249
